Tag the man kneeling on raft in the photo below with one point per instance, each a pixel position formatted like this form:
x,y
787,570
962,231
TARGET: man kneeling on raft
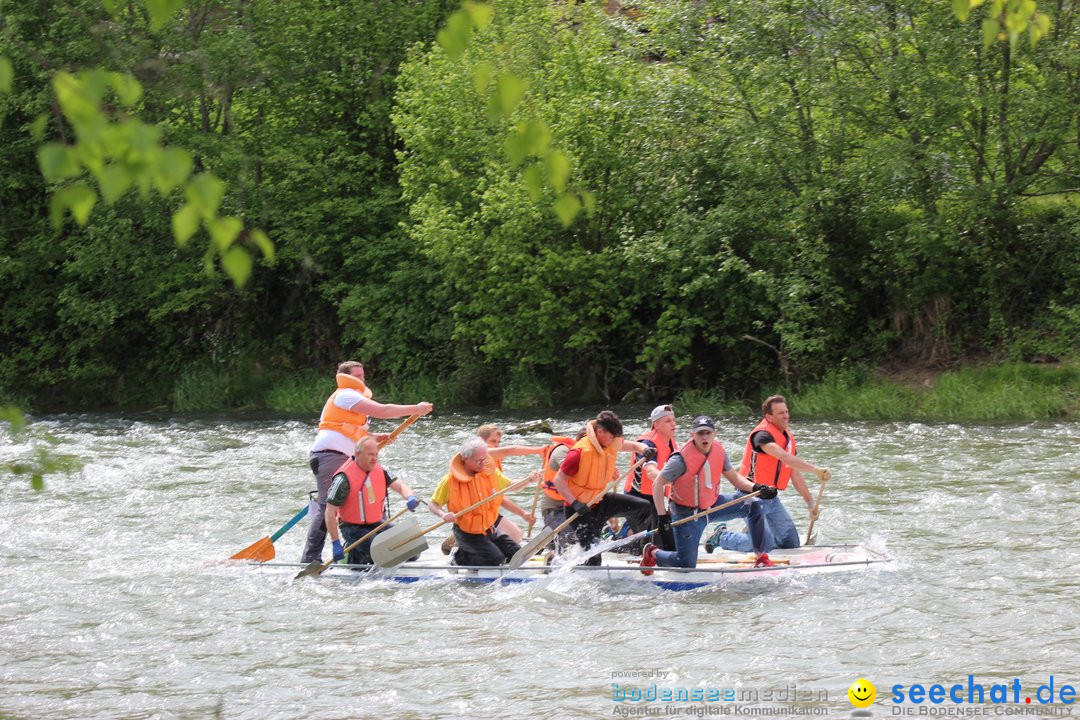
x,y
695,473
473,477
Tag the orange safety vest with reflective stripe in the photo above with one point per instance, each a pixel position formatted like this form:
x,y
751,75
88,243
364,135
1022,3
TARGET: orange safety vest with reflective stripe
x,y
350,424
367,494
548,483
641,480
700,484
759,467
596,467
466,489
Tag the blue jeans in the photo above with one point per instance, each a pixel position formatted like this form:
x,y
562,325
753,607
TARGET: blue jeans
x,y
688,535
780,530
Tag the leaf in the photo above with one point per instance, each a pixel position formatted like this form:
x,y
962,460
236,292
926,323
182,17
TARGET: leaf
x,y
185,223
482,75
172,169
58,162
127,88
533,178
263,242
79,198
114,181
479,13
516,148
509,89
37,128
454,37
558,169
1040,27
13,415
7,74
161,10
990,30
205,192
37,482
961,8
589,201
537,137
237,264
223,231
567,207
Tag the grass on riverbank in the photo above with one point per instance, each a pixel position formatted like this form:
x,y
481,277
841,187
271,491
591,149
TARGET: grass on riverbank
x,y
1013,391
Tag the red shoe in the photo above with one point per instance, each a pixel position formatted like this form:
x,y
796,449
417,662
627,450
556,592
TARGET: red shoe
x,y
648,558
764,561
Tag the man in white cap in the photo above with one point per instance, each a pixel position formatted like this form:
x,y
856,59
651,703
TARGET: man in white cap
x,y
694,474
660,437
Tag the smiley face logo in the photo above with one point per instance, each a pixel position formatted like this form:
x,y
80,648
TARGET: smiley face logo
x,y
862,693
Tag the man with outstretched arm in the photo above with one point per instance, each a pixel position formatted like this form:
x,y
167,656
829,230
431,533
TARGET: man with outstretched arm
x,y
769,459
473,477
343,423
356,502
694,474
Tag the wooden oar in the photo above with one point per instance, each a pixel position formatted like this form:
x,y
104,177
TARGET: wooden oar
x,y
530,548
317,568
817,508
389,558
397,431
536,501
262,550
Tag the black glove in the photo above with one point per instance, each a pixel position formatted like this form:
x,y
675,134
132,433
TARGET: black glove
x,y
649,453
664,533
580,508
768,492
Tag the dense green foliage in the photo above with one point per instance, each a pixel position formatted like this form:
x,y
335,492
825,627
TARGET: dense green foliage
x,y
781,188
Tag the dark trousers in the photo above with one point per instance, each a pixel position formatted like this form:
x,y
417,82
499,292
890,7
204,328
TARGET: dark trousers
x,y
588,529
493,547
644,519
324,464
361,554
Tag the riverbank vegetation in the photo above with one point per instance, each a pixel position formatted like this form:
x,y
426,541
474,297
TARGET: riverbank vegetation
x,y
776,190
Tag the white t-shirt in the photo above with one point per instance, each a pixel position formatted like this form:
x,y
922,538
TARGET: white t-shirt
x,y
346,399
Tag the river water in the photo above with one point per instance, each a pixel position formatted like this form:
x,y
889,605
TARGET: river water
x,y
115,602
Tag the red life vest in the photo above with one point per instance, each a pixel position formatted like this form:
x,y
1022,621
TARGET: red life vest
x,y
700,484
641,480
759,467
350,424
548,483
367,494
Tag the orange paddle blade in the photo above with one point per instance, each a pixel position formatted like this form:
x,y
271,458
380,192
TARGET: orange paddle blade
x,y
259,551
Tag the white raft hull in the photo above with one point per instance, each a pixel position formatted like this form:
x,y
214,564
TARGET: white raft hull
x,y
717,569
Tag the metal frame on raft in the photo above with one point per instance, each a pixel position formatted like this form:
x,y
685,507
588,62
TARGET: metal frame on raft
x,y
667,578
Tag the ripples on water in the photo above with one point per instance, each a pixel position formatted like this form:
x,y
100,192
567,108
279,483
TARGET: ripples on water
x,y
114,603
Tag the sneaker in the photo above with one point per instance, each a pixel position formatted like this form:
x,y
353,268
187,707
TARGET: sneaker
x,y
764,561
714,540
448,543
648,558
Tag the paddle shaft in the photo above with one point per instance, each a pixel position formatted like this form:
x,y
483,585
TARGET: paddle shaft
x,y
288,526
263,548
536,501
397,431
814,514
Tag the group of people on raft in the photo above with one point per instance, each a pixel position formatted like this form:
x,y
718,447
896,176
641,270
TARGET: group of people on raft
x,y
665,499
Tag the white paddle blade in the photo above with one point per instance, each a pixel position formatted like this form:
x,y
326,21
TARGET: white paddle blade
x,y
384,550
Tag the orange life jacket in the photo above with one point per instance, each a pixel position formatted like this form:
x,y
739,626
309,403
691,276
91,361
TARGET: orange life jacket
x,y
596,467
367,494
641,480
759,467
466,489
350,424
700,484
548,483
